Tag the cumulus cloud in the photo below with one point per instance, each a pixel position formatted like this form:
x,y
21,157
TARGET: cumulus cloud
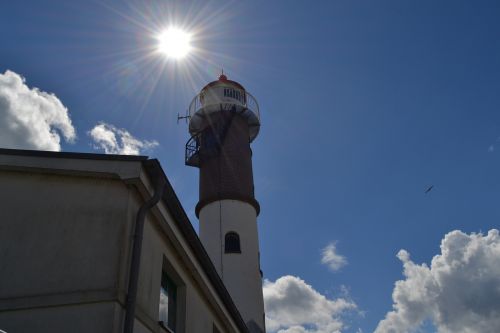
x,y
459,292
293,306
118,140
31,118
331,258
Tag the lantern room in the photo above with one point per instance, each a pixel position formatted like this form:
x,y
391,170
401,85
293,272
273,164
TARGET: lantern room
x,y
223,95
209,118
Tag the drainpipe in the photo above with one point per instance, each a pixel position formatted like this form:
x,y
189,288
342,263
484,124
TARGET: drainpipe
x,y
131,301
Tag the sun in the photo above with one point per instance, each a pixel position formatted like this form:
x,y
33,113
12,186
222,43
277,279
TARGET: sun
x,y
174,43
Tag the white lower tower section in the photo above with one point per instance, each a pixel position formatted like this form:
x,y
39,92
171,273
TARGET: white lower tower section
x,y
239,271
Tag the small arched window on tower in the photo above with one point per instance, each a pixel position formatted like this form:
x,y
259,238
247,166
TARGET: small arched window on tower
x,y
232,243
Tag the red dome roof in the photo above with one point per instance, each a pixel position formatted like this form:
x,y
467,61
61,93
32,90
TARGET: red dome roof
x,y
223,79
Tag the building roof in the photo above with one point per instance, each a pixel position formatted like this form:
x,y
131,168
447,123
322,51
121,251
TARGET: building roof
x,y
86,156
170,200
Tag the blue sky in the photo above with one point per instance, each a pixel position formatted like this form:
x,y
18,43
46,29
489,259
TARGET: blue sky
x,y
364,105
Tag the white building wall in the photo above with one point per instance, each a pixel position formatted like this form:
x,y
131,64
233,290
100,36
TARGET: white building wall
x,y
61,240
89,317
65,244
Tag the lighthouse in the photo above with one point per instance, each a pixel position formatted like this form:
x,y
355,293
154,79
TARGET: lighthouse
x,y
223,121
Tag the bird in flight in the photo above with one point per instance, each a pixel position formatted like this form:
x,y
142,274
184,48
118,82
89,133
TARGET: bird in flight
x,y
429,189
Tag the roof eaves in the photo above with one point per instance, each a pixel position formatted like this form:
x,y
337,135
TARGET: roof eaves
x,y
56,154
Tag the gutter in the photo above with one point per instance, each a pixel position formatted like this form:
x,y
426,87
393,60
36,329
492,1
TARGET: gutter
x,y
135,264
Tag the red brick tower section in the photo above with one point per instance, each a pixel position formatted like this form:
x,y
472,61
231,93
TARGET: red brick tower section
x,y
228,174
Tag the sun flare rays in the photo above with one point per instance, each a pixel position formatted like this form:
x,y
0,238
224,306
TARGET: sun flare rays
x,y
167,50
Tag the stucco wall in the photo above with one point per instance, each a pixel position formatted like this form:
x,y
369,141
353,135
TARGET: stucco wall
x,y
92,317
64,258
61,243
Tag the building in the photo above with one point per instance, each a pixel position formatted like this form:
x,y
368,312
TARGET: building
x,y
100,243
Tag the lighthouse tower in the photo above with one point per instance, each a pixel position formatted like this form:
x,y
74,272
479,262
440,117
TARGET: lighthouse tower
x,y
223,121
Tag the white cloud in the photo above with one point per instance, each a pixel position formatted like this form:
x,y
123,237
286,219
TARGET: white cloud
x,y
459,292
118,140
293,306
31,118
331,258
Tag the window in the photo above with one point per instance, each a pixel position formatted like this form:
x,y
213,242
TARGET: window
x,y
232,243
168,302
172,302
233,93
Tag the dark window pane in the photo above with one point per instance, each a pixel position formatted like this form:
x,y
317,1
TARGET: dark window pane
x,y
232,243
168,302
